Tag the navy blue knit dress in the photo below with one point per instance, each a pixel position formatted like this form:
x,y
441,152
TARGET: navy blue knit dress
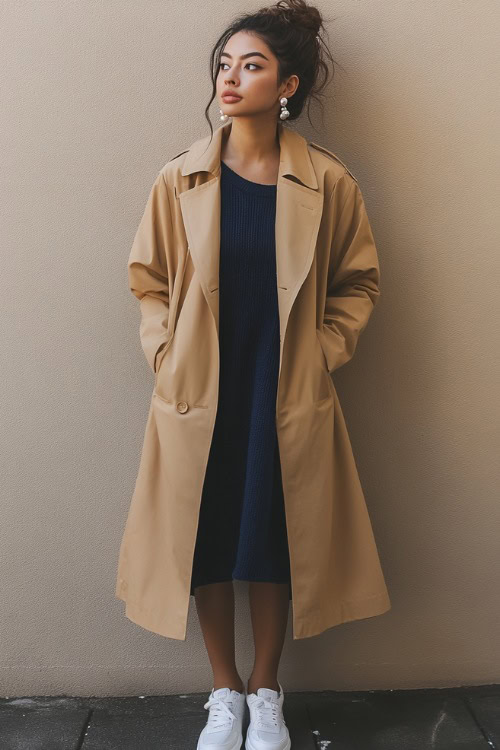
x,y
242,528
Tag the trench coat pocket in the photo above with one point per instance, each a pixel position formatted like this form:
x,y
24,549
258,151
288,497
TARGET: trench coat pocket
x,y
324,366
171,320
325,360
159,355
162,350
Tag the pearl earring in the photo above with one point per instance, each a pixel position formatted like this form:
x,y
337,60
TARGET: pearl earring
x,y
284,112
223,117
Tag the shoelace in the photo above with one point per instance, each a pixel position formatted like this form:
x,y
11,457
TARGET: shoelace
x,y
267,713
219,713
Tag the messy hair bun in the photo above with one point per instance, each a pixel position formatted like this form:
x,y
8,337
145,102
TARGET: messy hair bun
x,y
297,12
293,31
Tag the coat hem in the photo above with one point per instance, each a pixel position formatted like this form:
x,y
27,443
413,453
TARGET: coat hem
x,y
346,611
139,616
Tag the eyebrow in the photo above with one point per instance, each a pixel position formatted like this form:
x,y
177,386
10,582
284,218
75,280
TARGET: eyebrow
x,y
247,54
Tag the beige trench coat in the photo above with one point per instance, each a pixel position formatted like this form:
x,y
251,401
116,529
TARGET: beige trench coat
x,y
327,284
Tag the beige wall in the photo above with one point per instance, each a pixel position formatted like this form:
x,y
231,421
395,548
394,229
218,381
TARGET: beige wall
x,y
96,97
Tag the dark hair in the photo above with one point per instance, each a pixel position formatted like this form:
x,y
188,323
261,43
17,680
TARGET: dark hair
x,y
291,29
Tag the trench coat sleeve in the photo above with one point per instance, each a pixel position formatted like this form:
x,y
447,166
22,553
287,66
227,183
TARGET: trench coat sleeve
x,y
353,274
148,270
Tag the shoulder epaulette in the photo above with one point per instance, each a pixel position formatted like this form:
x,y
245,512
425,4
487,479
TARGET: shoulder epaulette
x,y
334,156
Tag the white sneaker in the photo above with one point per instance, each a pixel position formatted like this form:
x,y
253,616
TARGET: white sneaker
x,y
223,730
267,729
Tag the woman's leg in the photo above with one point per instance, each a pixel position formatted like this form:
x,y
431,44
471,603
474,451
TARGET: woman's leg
x,y
215,607
269,604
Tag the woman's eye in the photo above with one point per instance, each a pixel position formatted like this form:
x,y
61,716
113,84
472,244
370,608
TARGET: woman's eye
x,y
254,64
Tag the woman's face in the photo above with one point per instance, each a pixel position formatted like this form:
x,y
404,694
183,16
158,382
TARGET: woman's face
x,y
249,68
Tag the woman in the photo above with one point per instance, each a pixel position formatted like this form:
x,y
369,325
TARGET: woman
x,y
256,270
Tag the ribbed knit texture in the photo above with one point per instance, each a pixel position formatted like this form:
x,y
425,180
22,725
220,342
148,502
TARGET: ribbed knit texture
x,y
242,528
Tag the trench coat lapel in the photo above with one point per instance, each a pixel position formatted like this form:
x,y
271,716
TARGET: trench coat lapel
x,y
299,205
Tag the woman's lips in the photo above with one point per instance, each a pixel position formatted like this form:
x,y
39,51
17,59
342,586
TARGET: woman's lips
x,y
231,98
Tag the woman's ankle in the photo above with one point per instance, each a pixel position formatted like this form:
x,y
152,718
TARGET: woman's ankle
x,y
237,685
253,685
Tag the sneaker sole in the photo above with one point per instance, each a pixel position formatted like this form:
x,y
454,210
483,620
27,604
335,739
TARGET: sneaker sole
x,y
237,746
249,746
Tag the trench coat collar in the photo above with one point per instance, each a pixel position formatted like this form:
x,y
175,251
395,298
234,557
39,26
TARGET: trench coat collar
x,y
299,208
205,155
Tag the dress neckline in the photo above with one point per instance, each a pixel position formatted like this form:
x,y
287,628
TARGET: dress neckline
x,y
254,187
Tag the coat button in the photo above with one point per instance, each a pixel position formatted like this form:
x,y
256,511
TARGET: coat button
x,y
182,407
